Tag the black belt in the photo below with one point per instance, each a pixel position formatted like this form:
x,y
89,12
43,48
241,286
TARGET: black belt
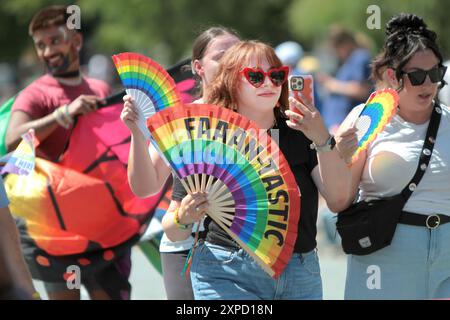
x,y
430,221
223,242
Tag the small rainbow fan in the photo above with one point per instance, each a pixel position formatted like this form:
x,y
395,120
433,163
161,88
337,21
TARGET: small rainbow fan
x,y
148,83
252,193
376,114
22,160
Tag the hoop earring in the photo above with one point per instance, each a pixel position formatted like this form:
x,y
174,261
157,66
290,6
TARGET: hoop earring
x,y
400,88
192,68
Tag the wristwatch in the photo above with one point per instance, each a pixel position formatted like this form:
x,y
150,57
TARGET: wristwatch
x,y
328,146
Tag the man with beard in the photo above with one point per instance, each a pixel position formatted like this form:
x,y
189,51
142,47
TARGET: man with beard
x,y
49,106
50,103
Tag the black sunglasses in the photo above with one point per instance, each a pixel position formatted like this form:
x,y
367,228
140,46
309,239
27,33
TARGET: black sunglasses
x,y
418,77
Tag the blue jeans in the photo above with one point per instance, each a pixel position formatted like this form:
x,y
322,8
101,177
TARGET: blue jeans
x,y
220,273
415,266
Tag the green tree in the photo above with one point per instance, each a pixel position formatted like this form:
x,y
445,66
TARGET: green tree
x,y
310,21
163,29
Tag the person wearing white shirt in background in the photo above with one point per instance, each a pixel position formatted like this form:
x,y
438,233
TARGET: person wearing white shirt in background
x,y
147,172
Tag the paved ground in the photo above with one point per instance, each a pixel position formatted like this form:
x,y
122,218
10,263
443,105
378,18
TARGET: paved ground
x,y
333,265
148,284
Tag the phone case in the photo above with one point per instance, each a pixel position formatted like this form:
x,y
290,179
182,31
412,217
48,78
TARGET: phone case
x,y
302,89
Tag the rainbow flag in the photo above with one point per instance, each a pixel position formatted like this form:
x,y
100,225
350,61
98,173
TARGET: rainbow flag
x,y
5,113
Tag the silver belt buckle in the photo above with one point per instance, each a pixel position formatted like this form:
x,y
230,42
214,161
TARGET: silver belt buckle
x,y
436,223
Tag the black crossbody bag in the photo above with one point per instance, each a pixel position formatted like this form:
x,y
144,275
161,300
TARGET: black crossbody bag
x,y
366,227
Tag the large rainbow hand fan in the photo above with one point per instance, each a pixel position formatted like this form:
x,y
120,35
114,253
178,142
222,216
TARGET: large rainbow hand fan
x,y
148,83
251,190
376,114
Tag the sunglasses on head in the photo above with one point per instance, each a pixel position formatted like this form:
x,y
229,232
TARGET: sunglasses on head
x,y
418,77
257,76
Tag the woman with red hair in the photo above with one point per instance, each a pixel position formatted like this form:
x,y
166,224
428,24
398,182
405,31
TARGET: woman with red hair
x,y
252,81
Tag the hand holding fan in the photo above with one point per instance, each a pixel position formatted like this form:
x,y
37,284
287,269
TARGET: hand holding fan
x,y
148,83
376,114
252,193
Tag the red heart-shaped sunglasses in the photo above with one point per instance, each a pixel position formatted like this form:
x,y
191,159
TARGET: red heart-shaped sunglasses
x,y
257,76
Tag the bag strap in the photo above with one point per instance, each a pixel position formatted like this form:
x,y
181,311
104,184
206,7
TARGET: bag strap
x,y
427,151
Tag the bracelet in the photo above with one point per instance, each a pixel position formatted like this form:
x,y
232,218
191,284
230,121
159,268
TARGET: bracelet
x,y
59,117
67,114
63,117
36,296
178,223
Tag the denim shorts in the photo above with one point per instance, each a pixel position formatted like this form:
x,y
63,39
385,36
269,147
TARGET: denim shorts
x,y
415,266
221,273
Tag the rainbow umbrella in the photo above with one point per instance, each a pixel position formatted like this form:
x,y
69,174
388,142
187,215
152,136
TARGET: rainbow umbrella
x,y
95,161
80,211
251,190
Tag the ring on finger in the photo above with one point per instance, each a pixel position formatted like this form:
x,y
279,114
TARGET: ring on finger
x,y
197,209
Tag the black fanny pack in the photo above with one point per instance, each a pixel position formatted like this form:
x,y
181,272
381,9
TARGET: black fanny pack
x,y
369,226
366,227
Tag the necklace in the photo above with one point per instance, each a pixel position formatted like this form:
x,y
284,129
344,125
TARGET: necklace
x,y
70,81
70,74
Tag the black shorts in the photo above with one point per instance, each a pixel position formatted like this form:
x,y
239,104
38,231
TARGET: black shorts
x,y
112,279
